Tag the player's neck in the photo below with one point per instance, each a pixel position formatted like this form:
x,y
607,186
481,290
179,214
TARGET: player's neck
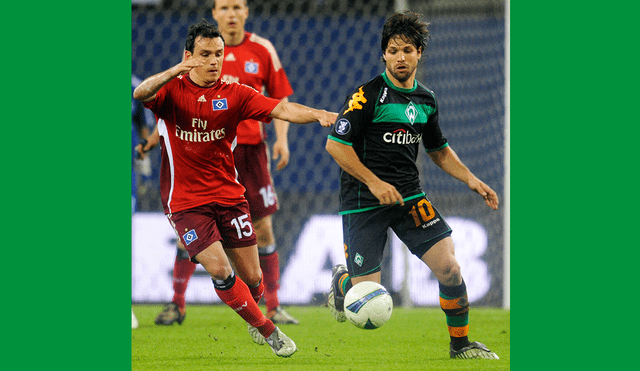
x,y
233,39
196,79
407,84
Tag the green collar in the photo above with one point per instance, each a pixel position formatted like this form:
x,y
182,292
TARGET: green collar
x,y
402,90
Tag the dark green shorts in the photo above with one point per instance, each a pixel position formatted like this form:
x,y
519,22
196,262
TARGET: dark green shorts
x,y
418,224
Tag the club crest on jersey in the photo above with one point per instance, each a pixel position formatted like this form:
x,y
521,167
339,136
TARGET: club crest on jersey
x,y
190,236
251,67
219,104
411,112
343,126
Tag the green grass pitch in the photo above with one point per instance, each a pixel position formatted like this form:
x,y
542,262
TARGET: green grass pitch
x,y
213,337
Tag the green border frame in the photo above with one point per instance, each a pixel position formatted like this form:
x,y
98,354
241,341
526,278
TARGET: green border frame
x,y
66,160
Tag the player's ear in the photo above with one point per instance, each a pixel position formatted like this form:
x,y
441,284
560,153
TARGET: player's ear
x,y
186,55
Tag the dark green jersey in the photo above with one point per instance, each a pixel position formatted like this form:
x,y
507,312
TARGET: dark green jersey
x,y
385,125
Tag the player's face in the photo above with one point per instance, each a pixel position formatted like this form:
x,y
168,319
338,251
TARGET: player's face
x,y
231,15
401,59
211,51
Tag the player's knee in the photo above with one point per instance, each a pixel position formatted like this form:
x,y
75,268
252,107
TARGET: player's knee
x,y
219,272
253,278
450,275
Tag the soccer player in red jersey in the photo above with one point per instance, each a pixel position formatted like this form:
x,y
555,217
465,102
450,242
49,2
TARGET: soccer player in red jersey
x,y
198,116
250,60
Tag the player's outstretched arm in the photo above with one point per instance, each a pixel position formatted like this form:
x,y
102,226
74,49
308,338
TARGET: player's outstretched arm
x,y
449,161
300,114
348,160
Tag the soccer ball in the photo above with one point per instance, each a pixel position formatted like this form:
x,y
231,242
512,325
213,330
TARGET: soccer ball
x,y
368,305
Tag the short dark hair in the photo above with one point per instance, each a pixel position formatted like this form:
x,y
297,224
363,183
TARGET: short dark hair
x,y
204,29
406,26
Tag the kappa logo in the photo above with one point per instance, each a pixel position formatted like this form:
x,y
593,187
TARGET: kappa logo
x,y
219,104
384,95
411,112
355,101
202,99
343,126
251,67
190,237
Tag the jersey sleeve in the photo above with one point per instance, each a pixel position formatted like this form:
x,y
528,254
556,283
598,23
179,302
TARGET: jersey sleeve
x,y
432,137
255,105
156,105
356,112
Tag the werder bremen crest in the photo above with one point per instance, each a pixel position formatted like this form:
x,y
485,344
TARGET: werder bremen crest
x,y
411,112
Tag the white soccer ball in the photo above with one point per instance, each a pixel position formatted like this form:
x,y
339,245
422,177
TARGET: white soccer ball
x,y
368,305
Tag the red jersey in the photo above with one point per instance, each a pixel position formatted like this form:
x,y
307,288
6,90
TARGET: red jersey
x,y
198,133
254,62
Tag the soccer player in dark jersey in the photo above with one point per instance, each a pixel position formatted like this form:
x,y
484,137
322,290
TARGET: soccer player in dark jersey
x,y
376,140
198,116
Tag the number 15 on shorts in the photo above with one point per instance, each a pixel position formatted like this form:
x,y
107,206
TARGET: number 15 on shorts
x,y
243,226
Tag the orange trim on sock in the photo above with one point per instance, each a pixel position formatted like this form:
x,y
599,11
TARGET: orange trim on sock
x,y
449,304
458,332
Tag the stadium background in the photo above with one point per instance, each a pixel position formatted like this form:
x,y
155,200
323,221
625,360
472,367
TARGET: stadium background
x,y
327,48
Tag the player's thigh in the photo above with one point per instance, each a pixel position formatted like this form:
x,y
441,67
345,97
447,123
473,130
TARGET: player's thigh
x,y
364,237
264,230
214,260
246,263
195,228
441,259
419,225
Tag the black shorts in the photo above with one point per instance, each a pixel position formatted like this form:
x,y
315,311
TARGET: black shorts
x,y
418,224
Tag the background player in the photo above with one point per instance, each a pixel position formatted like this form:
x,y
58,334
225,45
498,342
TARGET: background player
x,y
141,121
198,115
250,60
386,119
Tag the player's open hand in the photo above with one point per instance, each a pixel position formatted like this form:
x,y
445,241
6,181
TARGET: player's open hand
x,y
490,197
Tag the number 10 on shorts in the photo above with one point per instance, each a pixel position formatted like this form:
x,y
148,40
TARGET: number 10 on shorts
x,y
243,226
422,212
